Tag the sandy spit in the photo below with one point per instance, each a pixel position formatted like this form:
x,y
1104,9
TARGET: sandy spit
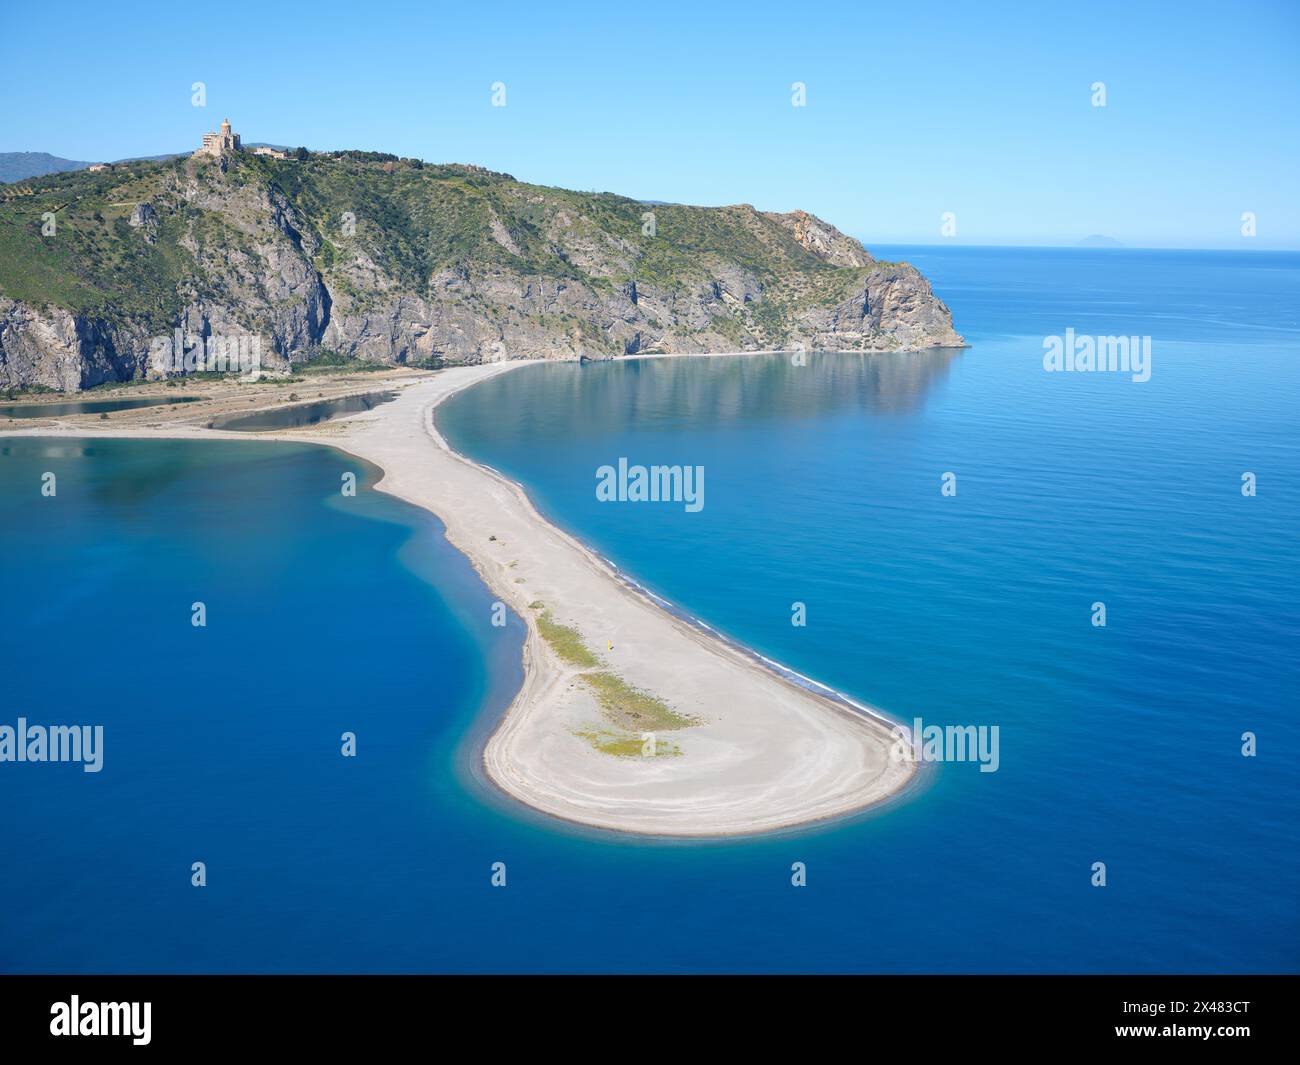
x,y
766,753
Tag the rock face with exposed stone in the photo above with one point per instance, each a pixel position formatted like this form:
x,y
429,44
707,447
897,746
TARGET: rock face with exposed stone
x,y
364,256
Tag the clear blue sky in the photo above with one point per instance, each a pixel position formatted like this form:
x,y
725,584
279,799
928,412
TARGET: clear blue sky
x,y
913,109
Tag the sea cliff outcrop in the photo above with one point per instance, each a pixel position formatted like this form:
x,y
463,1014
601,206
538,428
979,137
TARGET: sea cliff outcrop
x,y
400,262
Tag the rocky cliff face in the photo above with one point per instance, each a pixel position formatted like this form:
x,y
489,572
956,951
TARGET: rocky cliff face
x,y
396,262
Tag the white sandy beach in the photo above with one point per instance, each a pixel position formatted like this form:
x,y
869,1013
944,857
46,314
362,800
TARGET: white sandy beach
x,y
765,754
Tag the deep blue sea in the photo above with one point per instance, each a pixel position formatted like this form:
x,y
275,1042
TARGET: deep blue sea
x,y
1120,744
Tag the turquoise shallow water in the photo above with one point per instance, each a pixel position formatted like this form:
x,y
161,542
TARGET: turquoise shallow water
x,y
1119,744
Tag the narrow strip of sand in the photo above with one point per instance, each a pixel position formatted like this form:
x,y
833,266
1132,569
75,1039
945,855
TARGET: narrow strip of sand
x,y
761,752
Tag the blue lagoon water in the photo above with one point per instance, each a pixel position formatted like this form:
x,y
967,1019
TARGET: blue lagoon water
x,y
300,414
96,406
1120,745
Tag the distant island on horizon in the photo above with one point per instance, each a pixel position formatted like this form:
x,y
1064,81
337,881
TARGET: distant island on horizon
x,y
1098,240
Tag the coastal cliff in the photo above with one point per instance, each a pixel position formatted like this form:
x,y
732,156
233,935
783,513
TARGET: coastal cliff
x,y
355,255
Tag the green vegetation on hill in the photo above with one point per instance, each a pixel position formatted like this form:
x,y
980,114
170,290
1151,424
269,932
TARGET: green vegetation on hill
x,y
396,261
410,219
66,241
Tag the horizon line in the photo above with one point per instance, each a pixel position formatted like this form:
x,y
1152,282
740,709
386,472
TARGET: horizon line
x,y
887,242
1075,247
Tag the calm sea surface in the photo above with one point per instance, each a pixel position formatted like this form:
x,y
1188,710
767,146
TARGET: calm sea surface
x,y
97,406
1119,745
301,414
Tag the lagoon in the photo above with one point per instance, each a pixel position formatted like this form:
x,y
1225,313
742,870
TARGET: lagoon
x,y
302,414
87,406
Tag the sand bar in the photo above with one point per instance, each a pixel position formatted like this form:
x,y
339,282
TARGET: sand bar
x,y
762,754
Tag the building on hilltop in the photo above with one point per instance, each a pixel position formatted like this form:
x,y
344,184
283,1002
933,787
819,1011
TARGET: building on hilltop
x,y
223,142
226,141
